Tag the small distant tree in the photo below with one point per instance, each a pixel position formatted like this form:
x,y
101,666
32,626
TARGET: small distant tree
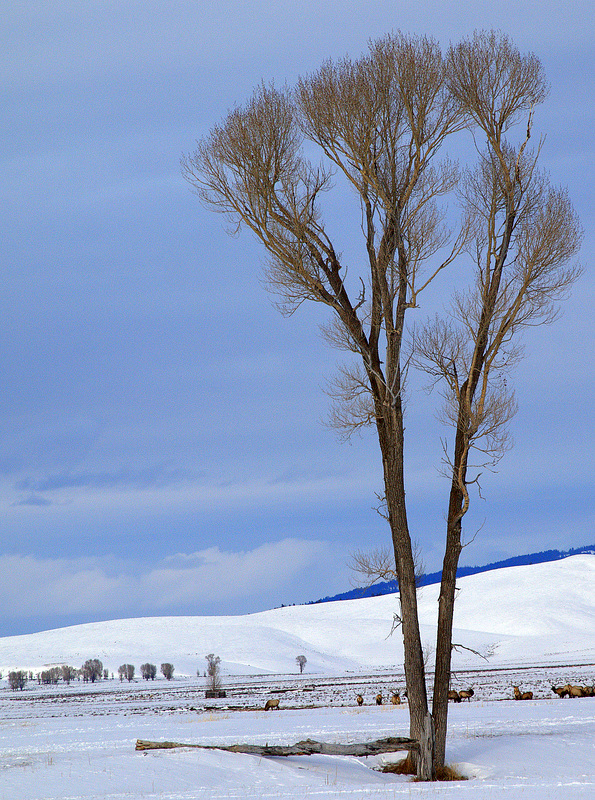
x,y
301,662
213,672
168,671
68,673
17,679
126,671
148,671
92,670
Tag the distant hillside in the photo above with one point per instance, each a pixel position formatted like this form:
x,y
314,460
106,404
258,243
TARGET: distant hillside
x,y
390,587
522,615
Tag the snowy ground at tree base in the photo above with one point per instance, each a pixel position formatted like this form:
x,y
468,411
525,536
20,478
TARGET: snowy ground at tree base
x,y
534,750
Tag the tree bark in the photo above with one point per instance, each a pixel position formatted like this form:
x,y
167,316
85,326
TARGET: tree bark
x,y
426,764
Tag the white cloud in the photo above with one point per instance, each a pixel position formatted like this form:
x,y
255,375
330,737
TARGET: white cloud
x,y
31,586
217,576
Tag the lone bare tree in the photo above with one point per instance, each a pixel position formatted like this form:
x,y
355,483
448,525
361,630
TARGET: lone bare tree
x,y
301,662
213,672
380,122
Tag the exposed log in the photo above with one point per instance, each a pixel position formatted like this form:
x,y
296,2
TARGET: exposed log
x,y
308,747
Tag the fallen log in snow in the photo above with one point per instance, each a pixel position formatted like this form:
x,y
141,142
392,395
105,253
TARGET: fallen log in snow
x,y
308,747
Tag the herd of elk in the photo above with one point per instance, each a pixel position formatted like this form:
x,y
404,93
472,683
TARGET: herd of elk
x,y
466,694
574,691
395,699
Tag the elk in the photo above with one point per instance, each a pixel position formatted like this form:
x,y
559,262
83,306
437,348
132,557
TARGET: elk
x,y
574,691
360,700
466,694
395,699
271,704
454,695
561,691
518,695
379,699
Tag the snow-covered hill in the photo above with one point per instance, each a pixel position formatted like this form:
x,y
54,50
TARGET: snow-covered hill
x,y
543,613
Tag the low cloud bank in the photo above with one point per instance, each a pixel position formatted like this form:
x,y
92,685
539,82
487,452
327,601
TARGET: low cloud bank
x,y
32,586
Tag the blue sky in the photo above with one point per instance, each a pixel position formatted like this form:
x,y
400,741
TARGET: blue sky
x,y
162,446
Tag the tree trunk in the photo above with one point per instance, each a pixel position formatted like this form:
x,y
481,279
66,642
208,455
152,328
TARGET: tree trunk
x,y
392,451
446,601
444,642
426,764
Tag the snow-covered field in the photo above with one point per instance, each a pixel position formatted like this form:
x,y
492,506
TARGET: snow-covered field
x,y
534,627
